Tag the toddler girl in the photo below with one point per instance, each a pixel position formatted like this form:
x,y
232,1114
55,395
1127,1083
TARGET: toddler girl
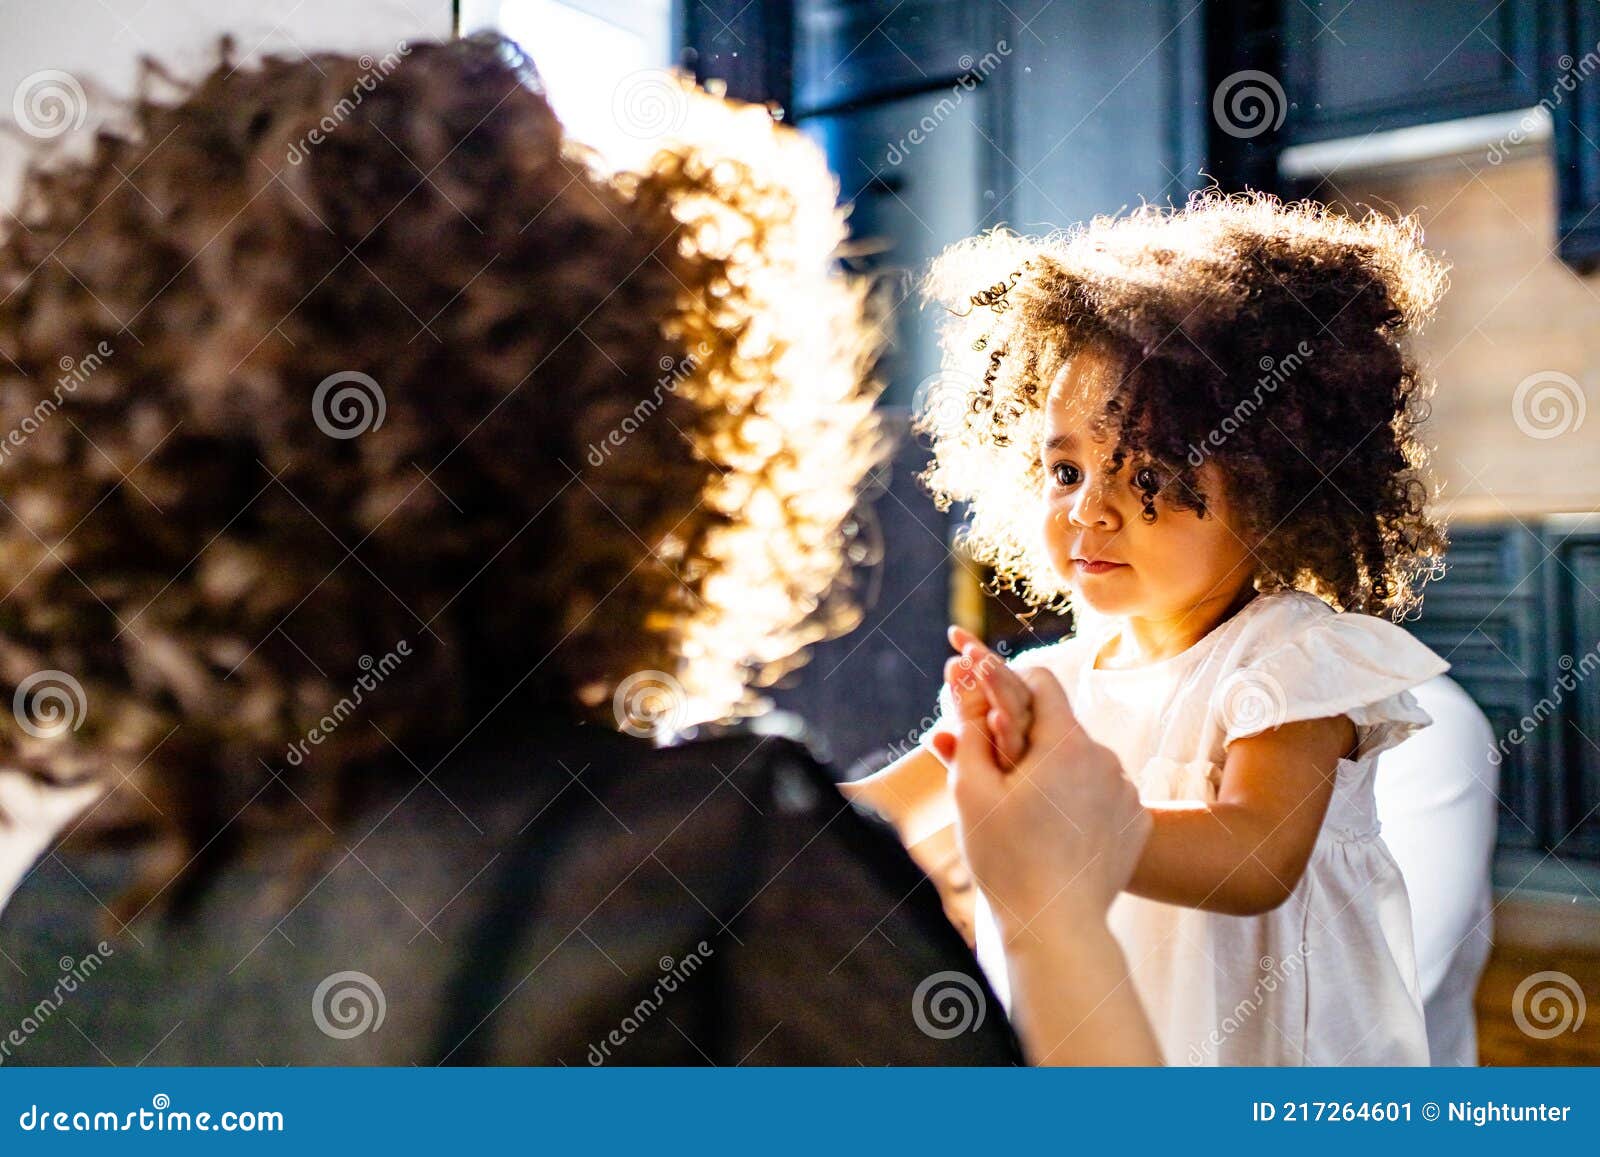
x,y
1198,431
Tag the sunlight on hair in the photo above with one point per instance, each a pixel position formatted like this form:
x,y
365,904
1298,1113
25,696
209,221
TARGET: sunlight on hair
x,y
785,384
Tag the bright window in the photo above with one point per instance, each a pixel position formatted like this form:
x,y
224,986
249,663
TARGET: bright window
x,y
590,55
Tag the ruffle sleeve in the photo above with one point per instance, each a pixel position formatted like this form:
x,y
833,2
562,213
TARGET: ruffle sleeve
x,y
1331,664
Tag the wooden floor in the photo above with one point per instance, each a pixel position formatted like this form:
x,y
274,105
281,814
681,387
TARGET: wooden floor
x,y
1502,1042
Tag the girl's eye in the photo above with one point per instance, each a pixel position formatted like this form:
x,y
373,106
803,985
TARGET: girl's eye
x,y
1147,479
1065,474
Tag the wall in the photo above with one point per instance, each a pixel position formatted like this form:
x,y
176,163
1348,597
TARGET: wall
x,y
1514,314
98,44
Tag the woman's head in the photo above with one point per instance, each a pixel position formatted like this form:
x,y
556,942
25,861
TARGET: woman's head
x,y
1219,396
382,366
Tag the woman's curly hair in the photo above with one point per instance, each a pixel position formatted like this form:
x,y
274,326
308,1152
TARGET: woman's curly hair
x,y
1268,338
314,365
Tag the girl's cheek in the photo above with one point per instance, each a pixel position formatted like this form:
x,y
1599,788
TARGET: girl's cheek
x,y
1058,550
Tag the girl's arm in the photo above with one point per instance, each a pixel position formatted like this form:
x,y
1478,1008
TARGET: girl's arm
x,y
910,793
913,794
1244,854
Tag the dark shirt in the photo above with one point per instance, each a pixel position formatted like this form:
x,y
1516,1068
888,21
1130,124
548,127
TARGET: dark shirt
x,y
564,895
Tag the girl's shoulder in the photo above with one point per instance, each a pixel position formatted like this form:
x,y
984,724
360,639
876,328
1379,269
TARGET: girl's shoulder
x,y
1275,617
1293,657
1290,622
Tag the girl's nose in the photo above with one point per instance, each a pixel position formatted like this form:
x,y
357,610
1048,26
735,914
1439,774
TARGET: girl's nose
x,y
1091,506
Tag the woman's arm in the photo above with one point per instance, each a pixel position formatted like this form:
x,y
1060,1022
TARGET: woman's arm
x,y
1244,854
1052,841
1075,1004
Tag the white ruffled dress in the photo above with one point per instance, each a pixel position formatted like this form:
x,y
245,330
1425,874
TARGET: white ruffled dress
x,y
1330,976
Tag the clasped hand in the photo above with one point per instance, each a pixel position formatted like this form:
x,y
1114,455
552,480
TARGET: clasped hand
x,y
1046,818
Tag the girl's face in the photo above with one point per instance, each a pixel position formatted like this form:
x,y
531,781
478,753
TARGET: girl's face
x,y
1094,531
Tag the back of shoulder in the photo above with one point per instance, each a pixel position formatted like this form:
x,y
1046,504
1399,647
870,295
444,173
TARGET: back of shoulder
x,y
1287,623
1268,622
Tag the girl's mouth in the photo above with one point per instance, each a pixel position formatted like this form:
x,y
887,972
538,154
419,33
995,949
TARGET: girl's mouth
x,y
1088,567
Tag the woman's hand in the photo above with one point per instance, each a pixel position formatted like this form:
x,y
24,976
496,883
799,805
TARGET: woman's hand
x,y
1051,843
1058,833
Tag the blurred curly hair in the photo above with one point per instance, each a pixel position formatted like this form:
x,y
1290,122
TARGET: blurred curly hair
x,y
429,377
1268,338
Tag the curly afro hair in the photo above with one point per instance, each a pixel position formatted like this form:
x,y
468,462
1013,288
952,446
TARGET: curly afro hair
x,y
371,360
1267,338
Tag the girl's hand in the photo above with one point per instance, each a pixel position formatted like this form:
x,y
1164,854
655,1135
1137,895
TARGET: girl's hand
x,y
985,689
